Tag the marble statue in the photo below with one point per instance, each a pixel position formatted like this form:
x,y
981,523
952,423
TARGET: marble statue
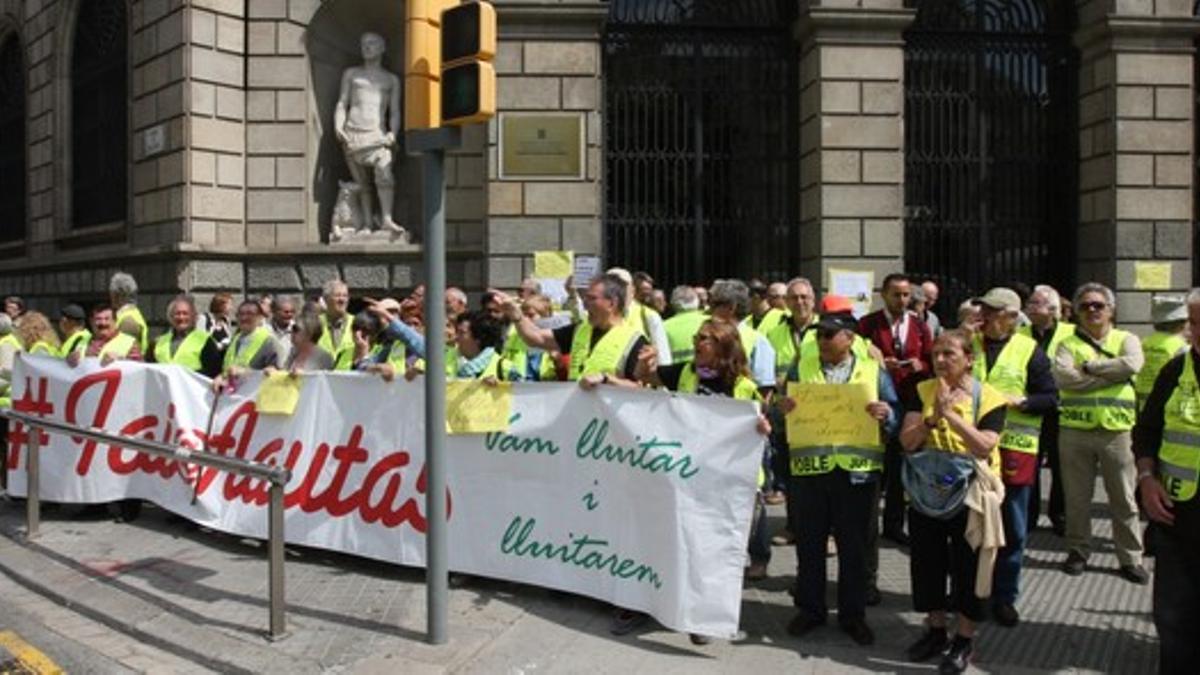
x,y
366,121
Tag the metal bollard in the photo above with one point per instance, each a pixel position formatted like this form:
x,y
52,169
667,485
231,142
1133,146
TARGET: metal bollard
x,y
33,506
275,546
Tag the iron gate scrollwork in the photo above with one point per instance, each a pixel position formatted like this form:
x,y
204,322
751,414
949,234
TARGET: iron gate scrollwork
x,y
701,132
990,133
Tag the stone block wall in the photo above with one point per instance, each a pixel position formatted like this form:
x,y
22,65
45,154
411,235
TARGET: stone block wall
x,y
1136,110
852,137
548,60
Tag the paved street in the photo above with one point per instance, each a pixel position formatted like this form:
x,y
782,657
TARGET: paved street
x,y
163,596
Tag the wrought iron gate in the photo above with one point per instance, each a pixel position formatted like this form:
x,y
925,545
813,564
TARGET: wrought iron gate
x,y
991,186
701,133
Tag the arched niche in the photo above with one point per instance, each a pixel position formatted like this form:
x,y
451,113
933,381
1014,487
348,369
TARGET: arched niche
x,y
332,45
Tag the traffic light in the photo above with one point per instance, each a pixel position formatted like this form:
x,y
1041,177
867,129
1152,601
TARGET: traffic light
x,y
468,83
423,63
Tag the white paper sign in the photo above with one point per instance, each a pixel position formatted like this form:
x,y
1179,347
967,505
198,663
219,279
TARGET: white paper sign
x,y
857,285
636,497
587,267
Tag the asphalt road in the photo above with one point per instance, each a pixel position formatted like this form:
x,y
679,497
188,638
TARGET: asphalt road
x,y
55,649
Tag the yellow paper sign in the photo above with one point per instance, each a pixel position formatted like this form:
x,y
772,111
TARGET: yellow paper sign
x,y
1152,276
473,407
830,414
278,394
553,264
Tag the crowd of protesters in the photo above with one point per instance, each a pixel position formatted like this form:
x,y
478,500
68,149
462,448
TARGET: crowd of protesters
x,y
967,416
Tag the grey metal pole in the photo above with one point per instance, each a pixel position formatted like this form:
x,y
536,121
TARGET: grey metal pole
x,y
437,571
33,502
275,543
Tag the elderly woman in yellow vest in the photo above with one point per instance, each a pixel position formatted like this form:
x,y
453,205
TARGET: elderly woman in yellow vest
x,y
835,486
122,293
1166,441
478,346
1094,369
953,415
305,355
252,347
185,344
1019,369
603,348
36,334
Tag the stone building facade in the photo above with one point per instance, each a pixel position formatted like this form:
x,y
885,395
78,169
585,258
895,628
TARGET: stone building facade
x,y
232,171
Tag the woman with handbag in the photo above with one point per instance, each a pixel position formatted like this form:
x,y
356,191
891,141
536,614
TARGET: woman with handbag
x,y
950,421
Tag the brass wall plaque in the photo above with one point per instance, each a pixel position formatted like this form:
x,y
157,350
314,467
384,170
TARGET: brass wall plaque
x,y
541,145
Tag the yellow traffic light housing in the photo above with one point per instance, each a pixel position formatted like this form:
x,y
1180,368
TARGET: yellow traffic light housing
x,y
468,80
423,63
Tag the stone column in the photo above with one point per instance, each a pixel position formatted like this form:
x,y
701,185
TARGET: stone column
x,y
548,60
852,136
1135,143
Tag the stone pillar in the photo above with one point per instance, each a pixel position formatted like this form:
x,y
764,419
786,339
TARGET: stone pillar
x,y
852,136
548,60
36,32
1135,143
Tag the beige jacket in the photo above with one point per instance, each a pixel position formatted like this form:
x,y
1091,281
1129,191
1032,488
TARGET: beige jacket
x,y
985,523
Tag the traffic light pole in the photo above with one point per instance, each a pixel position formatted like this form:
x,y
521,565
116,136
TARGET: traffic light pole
x,y
431,145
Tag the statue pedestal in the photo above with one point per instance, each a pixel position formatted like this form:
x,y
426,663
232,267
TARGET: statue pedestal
x,y
374,239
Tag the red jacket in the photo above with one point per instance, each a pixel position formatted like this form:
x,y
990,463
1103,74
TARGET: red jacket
x,y
918,343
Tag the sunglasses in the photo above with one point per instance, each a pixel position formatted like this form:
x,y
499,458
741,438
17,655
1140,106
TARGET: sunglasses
x,y
1093,306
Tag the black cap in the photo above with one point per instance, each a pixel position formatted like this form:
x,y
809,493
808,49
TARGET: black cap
x,y
73,312
838,321
757,287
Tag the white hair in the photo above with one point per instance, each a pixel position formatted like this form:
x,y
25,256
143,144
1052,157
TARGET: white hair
x,y
124,286
1053,299
1110,298
332,285
684,299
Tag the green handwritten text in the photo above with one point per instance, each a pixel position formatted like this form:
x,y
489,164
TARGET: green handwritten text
x,y
654,456
508,443
582,551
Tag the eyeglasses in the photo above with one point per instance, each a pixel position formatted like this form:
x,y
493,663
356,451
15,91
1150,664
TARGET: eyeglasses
x,y
702,337
1093,306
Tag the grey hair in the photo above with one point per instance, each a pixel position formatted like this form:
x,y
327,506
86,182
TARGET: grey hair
x,y
536,285
456,293
614,289
684,299
124,286
309,323
1095,287
289,299
6,324
731,292
800,280
1193,297
1053,299
332,285
182,297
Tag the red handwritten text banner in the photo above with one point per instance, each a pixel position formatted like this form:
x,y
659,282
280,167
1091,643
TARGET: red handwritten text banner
x,y
640,498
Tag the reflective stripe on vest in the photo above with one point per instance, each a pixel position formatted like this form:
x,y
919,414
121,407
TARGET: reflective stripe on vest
x,y
188,353
1158,348
1009,376
343,353
1112,408
132,312
609,352
810,460
1179,454
44,348
244,357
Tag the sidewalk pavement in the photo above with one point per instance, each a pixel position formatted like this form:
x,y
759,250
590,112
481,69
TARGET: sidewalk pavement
x,y
198,599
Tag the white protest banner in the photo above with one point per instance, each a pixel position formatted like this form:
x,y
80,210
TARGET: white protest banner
x,y
640,498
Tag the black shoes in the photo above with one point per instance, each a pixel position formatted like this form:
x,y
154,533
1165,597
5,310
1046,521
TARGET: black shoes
x,y
1074,564
803,624
932,643
1005,614
859,631
958,656
873,596
1135,574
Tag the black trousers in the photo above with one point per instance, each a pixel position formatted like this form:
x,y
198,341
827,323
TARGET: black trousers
x,y
1048,455
828,504
939,550
1177,590
893,488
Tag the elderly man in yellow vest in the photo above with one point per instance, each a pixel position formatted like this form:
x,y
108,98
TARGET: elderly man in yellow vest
x,y
1016,367
337,335
603,348
1094,369
1167,443
185,344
